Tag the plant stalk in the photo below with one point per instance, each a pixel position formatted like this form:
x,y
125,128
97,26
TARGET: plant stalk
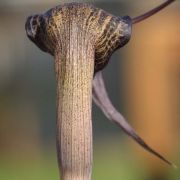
x,y
74,64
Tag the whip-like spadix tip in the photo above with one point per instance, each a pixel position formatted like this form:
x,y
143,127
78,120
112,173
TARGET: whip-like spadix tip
x,y
102,100
151,12
174,166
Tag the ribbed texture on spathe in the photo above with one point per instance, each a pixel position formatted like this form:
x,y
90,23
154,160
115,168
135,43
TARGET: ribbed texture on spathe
x,y
74,64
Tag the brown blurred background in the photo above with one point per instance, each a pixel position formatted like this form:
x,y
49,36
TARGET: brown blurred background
x,y
143,81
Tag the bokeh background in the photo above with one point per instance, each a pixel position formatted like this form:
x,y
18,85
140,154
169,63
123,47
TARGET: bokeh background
x,y
143,81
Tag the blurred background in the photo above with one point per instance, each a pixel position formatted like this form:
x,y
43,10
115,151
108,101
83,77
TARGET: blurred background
x,y
143,81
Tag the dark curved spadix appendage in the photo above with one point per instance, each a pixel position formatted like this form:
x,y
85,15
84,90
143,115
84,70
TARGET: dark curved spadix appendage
x,y
82,39
151,12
